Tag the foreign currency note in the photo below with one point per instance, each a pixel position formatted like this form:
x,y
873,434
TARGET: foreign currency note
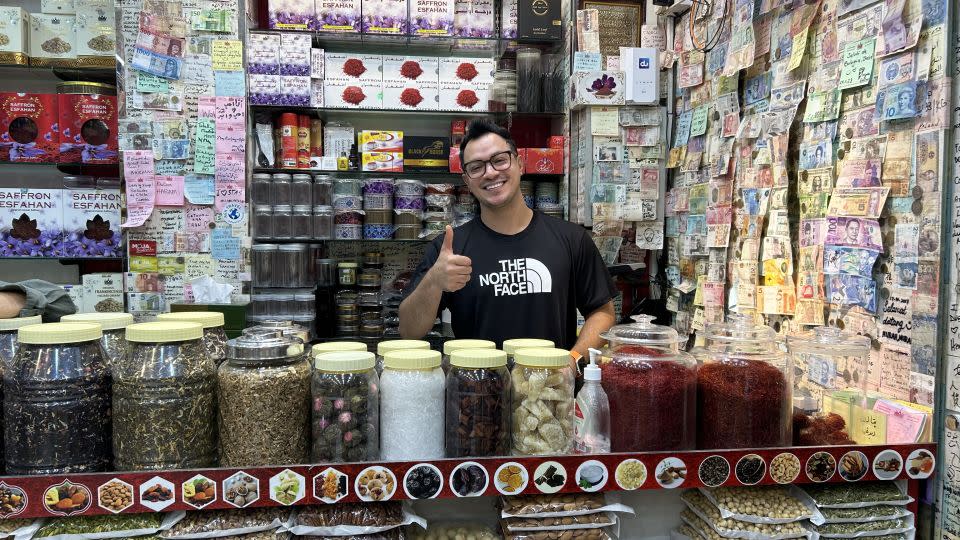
x,y
853,232
845,260
858,202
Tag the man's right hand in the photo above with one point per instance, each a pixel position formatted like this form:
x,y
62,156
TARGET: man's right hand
x,y
451,272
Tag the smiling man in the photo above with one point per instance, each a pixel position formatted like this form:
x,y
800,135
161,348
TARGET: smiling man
x,y
511,272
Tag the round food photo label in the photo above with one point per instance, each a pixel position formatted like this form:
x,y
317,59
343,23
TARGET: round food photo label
x,y
591,476
511,478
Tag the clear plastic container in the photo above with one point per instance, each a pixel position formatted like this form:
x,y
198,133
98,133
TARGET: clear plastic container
x,y
322,190
281,305
165,399
8,337
452,345
652,388
303,303
214,335
263,221
478,404
346,407
301,190
113,326
322,222
398,345
511,346
542,402
301,223
292,266
744,387
264,401
412,406
282,221
264,263
830,367
282,189
56,403
261,188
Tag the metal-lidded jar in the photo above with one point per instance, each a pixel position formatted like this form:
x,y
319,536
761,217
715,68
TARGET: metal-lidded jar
x,y
261,187
214,335
287,328
56,403
301,224
511,346
452,345
264,401
478,404
263,221
8,337
165,399
542,402
346,407
113,325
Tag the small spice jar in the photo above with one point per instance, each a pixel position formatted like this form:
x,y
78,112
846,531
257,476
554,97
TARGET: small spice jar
x,y
744,387
56,403
346,407
347,274
385,347
511,346
8,337
165,399
214,336
264,401
452,345
478,404
652,387
542,401
411,405
113,325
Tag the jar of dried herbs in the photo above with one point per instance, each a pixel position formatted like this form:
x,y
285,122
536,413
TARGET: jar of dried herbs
x,y
57,401
452,345
164,399
214,336
542,402
346,407
264,397
8,337
478,404
412,406
113,324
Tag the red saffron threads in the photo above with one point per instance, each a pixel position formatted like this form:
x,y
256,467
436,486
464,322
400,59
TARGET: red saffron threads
x,y
819,430
467,71
354,67
411,97
411,69
353,95
652,402
741,404
467,98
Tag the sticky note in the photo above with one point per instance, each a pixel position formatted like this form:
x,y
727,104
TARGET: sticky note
x,y
230,83
198,189
226,55
151,83
223,245
169,190
204,144
871,427
604,121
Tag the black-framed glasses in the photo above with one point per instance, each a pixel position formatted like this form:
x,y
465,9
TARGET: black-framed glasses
x,y
500,161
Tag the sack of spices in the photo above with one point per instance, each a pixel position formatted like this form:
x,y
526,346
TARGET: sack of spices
x,y
865,528
219,523
108,526
773,504
451,531
547,506
352,519
20,529
731,528
864,514
569,523
857,495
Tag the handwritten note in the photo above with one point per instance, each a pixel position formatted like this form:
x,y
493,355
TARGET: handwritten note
x,y
230,110
230,83
169,191
223,245
204,144
903,424
604,122
198,218
858,63
198,189
141,190
231,140
151,83
871,428
698,124
230,176
586,61
227,55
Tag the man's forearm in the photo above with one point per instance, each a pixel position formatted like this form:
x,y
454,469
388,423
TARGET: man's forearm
x,y
595,324
11,303
418,311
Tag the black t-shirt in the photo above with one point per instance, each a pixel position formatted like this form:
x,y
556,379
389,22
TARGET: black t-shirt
x,y
526,285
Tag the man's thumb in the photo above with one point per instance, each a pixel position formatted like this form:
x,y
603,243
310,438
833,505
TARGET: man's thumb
x,y
447,240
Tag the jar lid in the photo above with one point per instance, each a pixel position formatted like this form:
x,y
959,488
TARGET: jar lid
x,y
411,359
401,344
13,324
344,361
264,247
107,321
322,208
461,344
292,247
287,328
829,341
348,265
255,347
643,332
164,331
302,208
58,333
551,358
282,208
209,319
511,346
338,346
301,177
478,358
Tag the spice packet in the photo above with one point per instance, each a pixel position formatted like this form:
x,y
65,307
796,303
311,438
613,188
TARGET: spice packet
x,y
864,528
857,495
864,514
352,519
729,528
581,534
780,505
451,531
219,523
107,526
547,506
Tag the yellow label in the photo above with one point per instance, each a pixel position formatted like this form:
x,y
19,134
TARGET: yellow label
x,y
139,263
871,427
227,55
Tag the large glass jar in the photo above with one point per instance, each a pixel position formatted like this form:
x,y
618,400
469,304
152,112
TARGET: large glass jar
x,y
8,337
301,189
830,367
282,221
56,403
385,347
744,387
286,328
652,387
542,401
214,336
293,266
346,407
113,325
452,345
165,399
511,346
338,346
411,405
263,221
478,404
264,401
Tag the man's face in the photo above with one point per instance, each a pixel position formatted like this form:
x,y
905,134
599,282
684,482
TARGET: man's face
x,y
493,189
853,230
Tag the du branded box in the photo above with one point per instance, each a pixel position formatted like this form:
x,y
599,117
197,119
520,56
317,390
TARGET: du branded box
x,y
641,69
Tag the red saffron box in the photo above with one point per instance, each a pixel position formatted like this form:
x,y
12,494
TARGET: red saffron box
x,y
542,160
556,141
28,127
455,165
88,128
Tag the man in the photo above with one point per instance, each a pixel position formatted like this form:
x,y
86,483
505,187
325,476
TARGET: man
x,y
512,272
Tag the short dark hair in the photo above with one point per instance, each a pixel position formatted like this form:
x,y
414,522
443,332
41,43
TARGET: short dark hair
x,y
480,127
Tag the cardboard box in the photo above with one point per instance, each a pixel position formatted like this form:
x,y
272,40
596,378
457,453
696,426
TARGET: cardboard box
x,y
264,89
103,292
411,69
88,128
474,18
316,94
381,162
384,16
422,96
91,223
508,19
542,160
353,95
467,70
456,96
52,37
641,69
539,20
594,88
96,32
75,292
15,24
426,154
432,17
31,222
455,165
295,54
556,141
337,140
287,15
349,67
59,7
295,91
380,141
317,64
263,54
29,121
338,15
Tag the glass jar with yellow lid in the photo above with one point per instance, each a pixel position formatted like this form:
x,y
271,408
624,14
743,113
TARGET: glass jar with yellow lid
x,y
214,336
478,404
511,346
411,405
346,406
461,345
542,402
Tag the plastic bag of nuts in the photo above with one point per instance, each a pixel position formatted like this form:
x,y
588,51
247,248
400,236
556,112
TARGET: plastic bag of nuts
x,y
579,534
768,504
588,521
545,506
107,526
219,523
452,531
351,519
731,528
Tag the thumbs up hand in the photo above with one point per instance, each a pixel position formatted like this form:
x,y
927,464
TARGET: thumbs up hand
x,y
451,272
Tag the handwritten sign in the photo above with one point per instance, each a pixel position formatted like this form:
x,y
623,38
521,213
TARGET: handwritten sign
x,y
198,188
230,83
231,140
223,245
586,61
226,55
141,190
604,122
151,83
169,191
204,143
198,218
698,124
871,428
858,63
903,425
230,110
229,180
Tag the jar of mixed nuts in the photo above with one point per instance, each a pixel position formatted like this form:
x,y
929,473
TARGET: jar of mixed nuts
x,y
511,346
542,401
346,406
412,405
478,403
214,336
164,399
264,398
8,337
385,347
113,325
56,401
461,345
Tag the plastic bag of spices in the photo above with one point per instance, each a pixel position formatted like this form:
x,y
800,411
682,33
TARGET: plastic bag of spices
x,y
580,534
731,528
351,519
107,526
451,531
857,495
773,504
219,523
20,529
545,506
865,514
263,535
587,521
393,534
865,528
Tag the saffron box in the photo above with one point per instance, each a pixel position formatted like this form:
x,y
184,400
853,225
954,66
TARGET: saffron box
x,y
411,95
31,222
28,128
91,223
88,128
542,160
353,67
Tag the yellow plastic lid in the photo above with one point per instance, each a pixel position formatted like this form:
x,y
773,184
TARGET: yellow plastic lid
x,y
510,346
107,321
338,346
401,345
209,319
164,331
461,344
13,324
58,333
543,357
412,359
478,358
344,361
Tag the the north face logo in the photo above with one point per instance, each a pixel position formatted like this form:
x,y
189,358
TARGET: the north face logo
x,y
518,276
